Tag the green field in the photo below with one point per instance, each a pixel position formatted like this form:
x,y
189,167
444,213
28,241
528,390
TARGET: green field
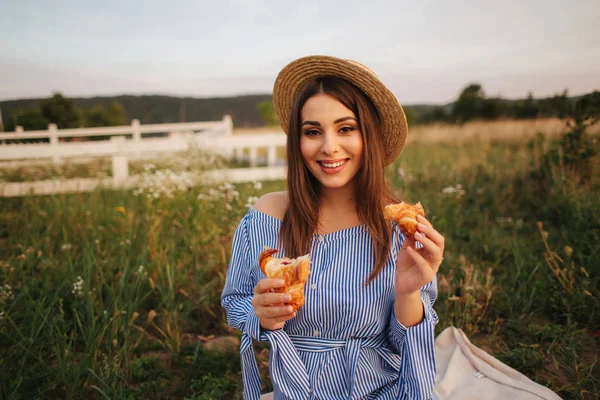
x,y
116,296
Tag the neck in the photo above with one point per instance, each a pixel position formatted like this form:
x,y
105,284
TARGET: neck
x,y
339,198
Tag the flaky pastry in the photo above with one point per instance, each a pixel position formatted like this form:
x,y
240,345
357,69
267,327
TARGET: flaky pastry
x,y
294,271
405,215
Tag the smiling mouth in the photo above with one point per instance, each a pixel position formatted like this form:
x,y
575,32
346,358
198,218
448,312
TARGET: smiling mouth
x,y
335,164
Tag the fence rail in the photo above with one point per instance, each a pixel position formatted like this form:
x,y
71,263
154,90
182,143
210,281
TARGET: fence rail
x,y
84,185
211,136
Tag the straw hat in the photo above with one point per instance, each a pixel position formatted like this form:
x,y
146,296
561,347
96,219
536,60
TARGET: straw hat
x,y
296,74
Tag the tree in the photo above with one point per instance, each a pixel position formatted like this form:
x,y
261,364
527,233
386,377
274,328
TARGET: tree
x,y
114,115
526,109
559,104
30,120
411,115
267,112
492,108
470,103
61,111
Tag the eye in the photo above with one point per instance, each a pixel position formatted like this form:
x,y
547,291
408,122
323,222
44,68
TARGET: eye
x,y
346,129
311,132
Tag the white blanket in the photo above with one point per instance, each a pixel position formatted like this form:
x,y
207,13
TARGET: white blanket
x,y
464,371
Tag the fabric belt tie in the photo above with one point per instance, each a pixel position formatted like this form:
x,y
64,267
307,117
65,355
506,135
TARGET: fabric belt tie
x,y
288,372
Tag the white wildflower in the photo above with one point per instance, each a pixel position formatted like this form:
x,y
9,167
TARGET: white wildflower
x,y
6,293
504,220
141,271
510,221
257,186
226,187
78,287
157,183
457,190
214,194
405,175
251,201
66,246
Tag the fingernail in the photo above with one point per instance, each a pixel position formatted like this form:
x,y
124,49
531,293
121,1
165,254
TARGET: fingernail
x,y
280,282
418,235
421,226
287,297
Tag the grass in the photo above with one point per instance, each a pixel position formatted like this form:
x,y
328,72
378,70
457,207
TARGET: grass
x,y
112,295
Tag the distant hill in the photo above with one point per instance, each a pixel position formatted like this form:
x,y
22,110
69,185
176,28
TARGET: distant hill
x,y
163,109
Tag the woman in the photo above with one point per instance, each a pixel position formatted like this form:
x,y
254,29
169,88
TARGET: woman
x,y
366,329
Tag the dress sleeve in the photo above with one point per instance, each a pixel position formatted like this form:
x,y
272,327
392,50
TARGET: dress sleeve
x,y
237,294
416,347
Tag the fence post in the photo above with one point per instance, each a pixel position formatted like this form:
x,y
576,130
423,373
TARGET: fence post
x,y
136,136
228,122
253,157
120,166
238,153
271,155
53,136
18,129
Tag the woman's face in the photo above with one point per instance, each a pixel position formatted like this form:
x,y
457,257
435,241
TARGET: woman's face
x,y
331,142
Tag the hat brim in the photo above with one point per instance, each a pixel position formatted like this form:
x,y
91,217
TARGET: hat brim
x,y
296,74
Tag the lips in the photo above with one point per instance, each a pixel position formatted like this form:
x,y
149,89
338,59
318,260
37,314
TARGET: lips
x,y
333,166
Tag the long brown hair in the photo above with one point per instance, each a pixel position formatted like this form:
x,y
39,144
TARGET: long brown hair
x,y
301,218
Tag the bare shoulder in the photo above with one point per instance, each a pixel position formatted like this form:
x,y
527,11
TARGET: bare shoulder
x,y
274,204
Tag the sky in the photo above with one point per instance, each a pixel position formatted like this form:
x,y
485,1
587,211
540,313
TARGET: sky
x,y
424,51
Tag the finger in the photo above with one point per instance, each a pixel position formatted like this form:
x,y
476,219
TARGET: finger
x,y
284,318
272,299
423,220
426,270
429,246
427,229
274,312
264,285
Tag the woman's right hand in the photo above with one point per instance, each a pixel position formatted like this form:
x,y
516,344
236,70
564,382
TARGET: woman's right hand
x,y
271,308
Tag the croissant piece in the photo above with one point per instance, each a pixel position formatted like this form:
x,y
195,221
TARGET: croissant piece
x,y
405,215
294,271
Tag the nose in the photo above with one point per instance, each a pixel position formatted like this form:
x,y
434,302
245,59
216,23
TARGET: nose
x,y
330,144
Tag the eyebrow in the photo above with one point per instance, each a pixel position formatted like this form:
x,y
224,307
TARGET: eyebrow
x,y
316,123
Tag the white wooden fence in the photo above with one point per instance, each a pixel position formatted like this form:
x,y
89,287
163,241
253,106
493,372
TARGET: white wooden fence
x,y
212,136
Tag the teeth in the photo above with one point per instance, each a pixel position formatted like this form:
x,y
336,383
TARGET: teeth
x,y
334,165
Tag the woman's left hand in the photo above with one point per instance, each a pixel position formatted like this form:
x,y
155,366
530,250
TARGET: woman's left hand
x,y
417,267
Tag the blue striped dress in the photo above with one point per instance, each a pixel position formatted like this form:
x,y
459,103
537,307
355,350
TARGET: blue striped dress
x,y
345,342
